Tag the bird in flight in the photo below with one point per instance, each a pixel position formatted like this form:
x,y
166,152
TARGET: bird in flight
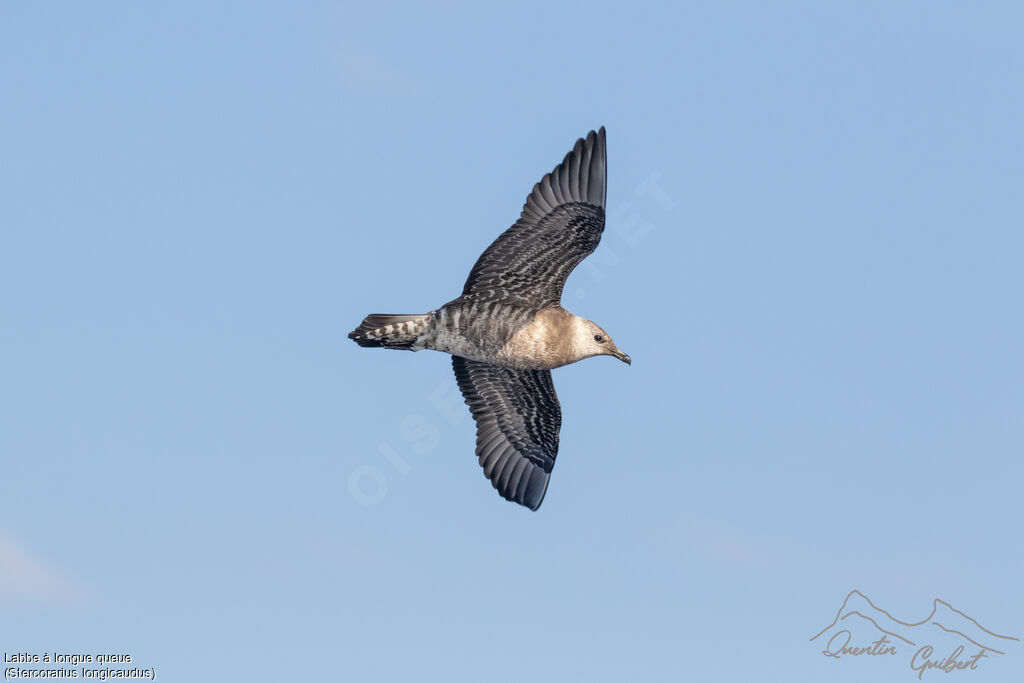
x,y
508,330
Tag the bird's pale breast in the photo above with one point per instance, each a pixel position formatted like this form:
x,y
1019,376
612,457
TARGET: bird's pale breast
x,y
542,345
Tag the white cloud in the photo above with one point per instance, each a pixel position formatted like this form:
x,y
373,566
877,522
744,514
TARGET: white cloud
x,y
24,577
367,72
727,547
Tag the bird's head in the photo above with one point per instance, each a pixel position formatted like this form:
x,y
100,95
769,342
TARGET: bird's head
x,y
589,339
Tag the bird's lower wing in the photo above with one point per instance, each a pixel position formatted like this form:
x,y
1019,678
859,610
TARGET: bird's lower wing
x,y
517,421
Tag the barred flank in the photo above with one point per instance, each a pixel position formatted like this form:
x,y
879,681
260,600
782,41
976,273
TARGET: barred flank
x,y
391,331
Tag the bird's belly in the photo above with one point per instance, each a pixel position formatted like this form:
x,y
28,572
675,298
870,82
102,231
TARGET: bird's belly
x,y
501,335
524,361
459,345
513,354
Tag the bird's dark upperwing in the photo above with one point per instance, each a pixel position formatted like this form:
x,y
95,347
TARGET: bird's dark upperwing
x,y
561,224
517,421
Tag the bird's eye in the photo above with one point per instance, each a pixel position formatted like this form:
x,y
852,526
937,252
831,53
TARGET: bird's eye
x,y
598,338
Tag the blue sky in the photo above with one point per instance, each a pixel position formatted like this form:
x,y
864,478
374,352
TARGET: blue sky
x,y
813,256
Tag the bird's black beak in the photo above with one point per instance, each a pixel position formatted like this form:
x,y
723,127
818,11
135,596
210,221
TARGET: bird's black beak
x,y
623,357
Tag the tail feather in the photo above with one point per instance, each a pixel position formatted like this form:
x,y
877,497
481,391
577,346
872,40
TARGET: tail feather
x,y
391,331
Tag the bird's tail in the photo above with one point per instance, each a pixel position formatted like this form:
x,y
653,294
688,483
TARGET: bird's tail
x,y
390,331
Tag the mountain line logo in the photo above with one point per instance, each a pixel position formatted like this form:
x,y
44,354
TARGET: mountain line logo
x,y
947,640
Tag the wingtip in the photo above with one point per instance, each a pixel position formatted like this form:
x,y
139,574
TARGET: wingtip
x,y
600,170
536,489
595,138
582,175
520,482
